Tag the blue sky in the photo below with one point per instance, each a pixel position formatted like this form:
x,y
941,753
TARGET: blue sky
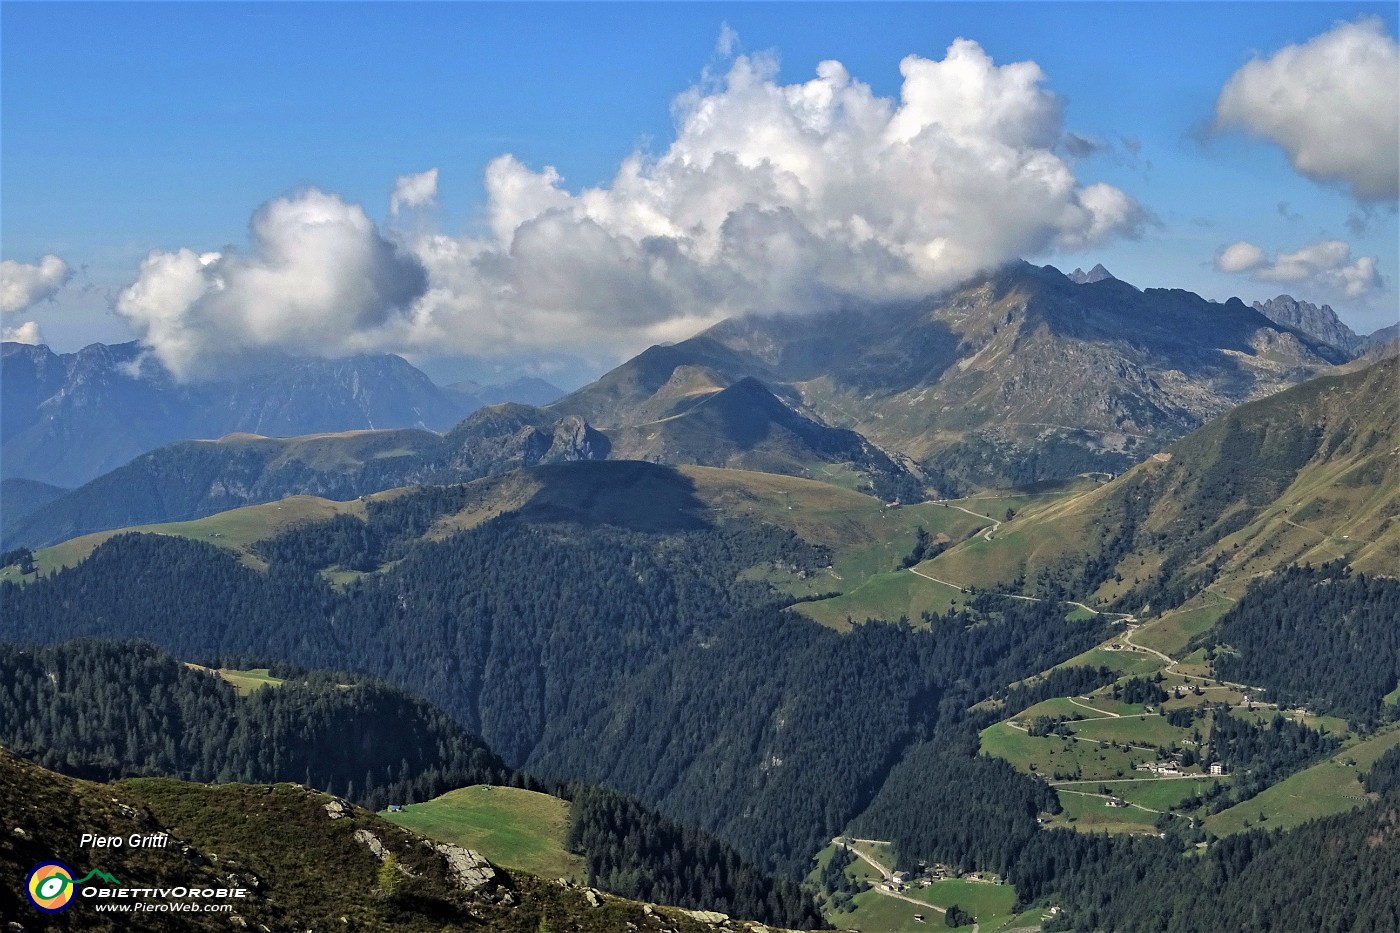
x,y
137,127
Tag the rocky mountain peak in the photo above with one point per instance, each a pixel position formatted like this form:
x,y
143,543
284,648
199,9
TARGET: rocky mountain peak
x,y
1096,274
1320,322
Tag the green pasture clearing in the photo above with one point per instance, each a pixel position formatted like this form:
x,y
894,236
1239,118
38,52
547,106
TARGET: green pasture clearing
x,y
1125,661
888,596
1149,729
982,563
990,904
514,828
1393,697
877,913
1058,706
1092,814
1263,715
1163,794
1328,787
245,682
1051,755
1170,633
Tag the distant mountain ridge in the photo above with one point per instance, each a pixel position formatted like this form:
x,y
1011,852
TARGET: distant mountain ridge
x,y
68,418
1018,375
743,426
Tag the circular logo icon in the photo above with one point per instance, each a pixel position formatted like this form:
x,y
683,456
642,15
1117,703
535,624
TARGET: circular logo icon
x,y
50,887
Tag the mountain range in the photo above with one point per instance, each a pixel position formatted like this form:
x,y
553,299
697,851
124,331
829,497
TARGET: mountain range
x,y
1019,376
67,418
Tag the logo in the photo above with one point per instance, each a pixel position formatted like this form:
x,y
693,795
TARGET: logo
x,y
50,886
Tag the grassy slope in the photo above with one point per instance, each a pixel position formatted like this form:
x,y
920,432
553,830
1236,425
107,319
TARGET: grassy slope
x,y
514,828
234,530
990,904
1342,502
1328,787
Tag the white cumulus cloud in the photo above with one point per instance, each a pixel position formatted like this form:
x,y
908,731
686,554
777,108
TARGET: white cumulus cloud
x,y
320,279
23,285
1240,257
418,190
1332,103
28,332
772,197
1325,267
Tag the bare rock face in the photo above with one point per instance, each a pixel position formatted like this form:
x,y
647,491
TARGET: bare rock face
x,y
370,841
468,869
707,916
1319,322
337,808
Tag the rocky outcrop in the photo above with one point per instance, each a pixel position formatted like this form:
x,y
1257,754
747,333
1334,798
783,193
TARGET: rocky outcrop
x,y
468,869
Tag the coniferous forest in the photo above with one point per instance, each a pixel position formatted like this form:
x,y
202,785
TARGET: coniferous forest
x,y
593,653
633,659
107,710
1321,637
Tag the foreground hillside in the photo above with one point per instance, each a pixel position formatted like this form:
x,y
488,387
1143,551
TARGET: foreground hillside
x,y
108,710
306,860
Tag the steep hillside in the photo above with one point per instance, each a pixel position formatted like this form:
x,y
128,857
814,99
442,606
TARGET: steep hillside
x,y
1309,474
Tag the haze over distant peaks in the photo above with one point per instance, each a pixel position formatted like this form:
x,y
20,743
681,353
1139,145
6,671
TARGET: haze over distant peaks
x,y
68,418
